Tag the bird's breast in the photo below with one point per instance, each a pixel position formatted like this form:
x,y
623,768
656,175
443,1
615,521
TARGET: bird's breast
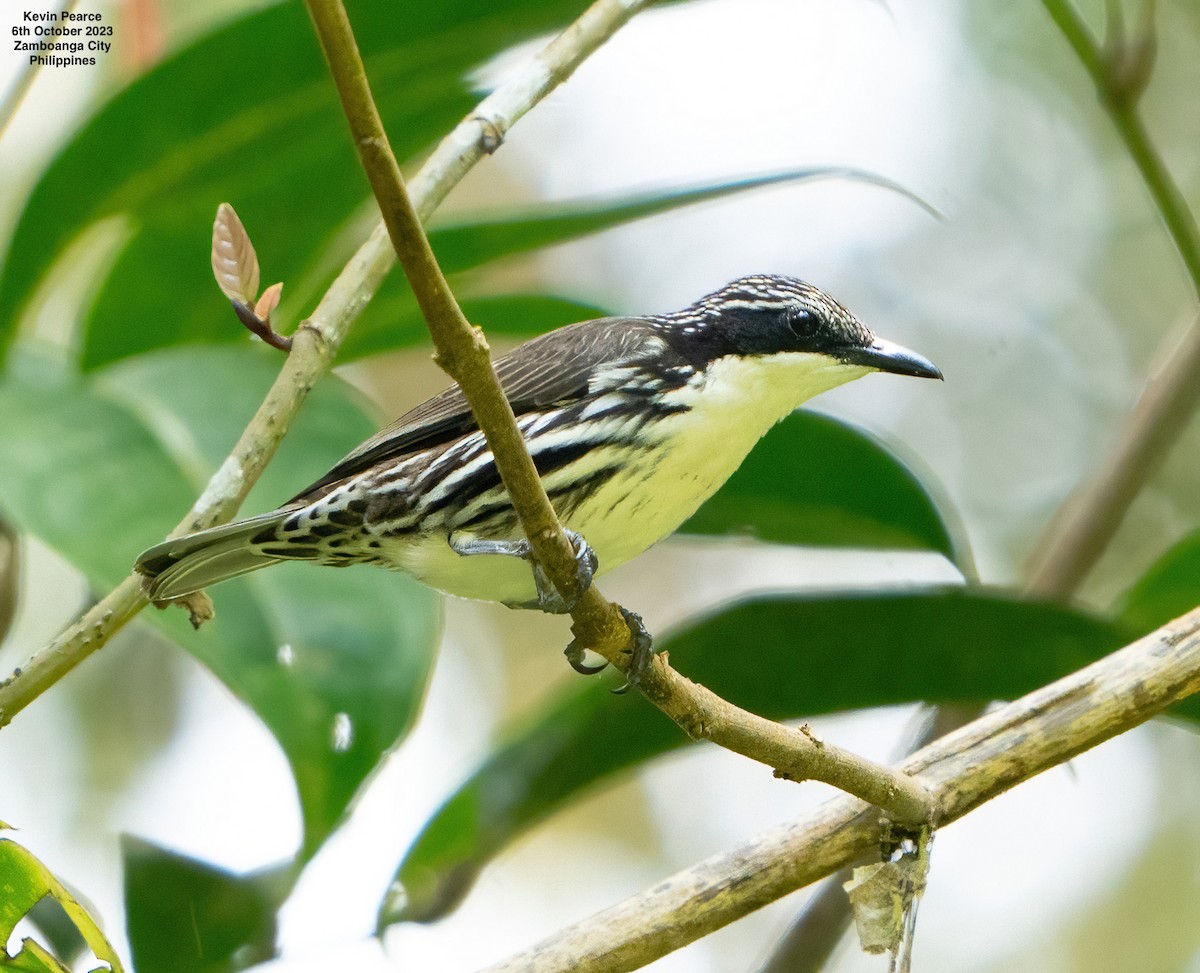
x,y
637,494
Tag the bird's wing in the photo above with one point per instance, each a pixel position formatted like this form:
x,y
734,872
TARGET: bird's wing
x,y
554,368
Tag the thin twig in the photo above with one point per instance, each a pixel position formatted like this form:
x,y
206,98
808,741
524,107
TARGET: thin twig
x,y
1087,522
963,771
1118,87
598,623
316,343
24,81
1089,519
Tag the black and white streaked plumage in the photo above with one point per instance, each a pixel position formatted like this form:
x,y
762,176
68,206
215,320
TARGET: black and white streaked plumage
x,y
633,422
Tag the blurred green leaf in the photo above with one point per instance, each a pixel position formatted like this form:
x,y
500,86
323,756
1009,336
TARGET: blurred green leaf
x,y
247,115
85,475
467,244
1169,589
781,658
186,916
818,481
334,662
393,320
25,881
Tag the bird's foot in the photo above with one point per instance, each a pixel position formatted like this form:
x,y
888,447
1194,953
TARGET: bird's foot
x,y
640,650
575,653
548,597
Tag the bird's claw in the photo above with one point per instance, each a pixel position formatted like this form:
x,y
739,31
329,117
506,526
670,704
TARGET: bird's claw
x,y
640,650
574,653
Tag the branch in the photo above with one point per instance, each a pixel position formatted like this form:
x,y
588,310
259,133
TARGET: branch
x,y
963,770
598,624
317,341
1087,522
1120,69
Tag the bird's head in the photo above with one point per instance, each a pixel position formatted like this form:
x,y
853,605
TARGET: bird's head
x,y
774,317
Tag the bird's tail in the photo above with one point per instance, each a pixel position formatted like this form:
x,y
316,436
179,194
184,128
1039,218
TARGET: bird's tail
x,y
187,564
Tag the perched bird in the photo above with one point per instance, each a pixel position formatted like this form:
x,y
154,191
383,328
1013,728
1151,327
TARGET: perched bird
x,y
633,422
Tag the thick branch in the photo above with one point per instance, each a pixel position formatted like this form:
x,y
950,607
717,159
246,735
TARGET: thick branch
x,y
318,339
963,770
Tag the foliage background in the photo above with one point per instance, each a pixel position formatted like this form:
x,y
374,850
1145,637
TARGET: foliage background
x,y
1042,295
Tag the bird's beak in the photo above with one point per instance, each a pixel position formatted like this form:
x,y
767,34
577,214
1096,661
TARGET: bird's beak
x,y
889,357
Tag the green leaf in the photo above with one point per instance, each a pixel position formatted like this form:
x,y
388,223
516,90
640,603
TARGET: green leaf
x,y
1169,589
393,320
246,115
815,480
471,243
781,658
334,662
25,881
186,916
33,958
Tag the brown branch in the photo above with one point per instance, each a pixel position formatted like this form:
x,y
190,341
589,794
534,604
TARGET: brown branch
x,y
598,624
962,770
1089,519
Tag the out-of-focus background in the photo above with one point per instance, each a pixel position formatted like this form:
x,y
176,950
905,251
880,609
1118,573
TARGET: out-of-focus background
x,y
1042,292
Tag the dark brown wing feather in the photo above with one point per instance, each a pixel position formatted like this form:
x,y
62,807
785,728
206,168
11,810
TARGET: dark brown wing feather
x,y
551,369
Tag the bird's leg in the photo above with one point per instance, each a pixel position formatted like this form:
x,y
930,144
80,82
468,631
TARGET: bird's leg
x,y
548,597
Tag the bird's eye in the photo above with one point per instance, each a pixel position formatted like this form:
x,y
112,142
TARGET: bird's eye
x,y
803,322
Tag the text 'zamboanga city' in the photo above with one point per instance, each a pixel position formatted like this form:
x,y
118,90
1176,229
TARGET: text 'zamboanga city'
x,y
58,39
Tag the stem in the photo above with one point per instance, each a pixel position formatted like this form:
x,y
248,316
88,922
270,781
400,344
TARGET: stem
x,y
1089,519
1119,94
461,349
1085,525
598,623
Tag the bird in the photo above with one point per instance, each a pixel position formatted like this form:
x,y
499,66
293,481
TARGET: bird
x,y
632,423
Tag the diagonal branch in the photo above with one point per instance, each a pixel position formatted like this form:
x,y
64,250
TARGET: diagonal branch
x,y
318,339
599,624
963,770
